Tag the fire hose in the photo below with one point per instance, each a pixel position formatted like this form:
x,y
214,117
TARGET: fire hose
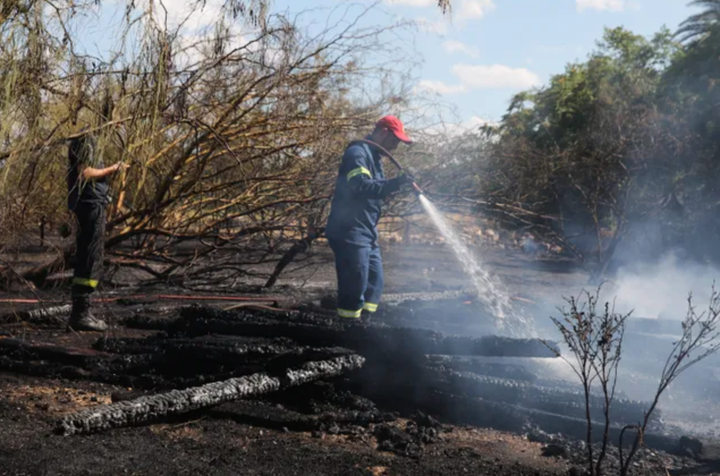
x,y
394,161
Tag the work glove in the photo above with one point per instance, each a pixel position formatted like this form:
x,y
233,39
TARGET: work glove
x,y
405,178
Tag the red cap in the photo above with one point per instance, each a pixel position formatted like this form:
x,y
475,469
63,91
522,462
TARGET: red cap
x,y
394,125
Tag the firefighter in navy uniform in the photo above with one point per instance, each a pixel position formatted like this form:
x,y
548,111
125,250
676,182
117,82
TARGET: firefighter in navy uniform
x,y
351,231
88,197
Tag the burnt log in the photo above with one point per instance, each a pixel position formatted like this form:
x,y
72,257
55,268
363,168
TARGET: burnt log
x,y
151,408
43,315
414,298
463,364
207,347
28,350
704,449
155,362
299,247
257,413
548,399
375,339
416,382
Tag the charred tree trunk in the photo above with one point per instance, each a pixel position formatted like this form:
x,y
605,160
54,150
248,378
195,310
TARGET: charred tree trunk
x,y
149,408
379,340
37,316
299,247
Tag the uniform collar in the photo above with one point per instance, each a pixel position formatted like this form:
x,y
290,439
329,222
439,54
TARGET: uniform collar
x,y
375,151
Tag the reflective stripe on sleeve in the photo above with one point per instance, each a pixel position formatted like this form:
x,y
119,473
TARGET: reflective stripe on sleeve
x,y
358,171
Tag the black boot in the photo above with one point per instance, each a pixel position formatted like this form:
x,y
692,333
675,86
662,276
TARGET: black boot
x,y
81,319
366,316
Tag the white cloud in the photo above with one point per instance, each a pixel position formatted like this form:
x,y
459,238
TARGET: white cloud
x,y
439,87
471,77
474,9
601,5
452,46
495,76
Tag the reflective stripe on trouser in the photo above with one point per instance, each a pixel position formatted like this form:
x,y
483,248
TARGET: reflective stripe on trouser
x,y
90,244
360,278
349,314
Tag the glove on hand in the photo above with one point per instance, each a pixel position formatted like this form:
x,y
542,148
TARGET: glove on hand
x,y
405,178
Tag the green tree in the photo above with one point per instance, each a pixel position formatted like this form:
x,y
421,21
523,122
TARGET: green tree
x,y
576,150
701,26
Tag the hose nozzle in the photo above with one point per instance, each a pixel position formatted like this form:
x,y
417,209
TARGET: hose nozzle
x,y
417,189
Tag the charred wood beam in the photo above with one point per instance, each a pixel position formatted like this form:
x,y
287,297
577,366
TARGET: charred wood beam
x,y
209,347
28,350
419,320
150,408
374,339
155,362
418,298
416,383
42,369
216,355
528,395
44,315
259,413
462,364
299,247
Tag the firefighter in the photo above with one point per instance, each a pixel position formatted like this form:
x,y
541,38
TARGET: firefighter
x,y
352,232
88,197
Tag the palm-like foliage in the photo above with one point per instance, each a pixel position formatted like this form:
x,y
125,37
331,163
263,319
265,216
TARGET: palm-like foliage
x,y
444,5
699,26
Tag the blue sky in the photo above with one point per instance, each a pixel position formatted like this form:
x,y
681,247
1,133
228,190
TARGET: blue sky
x,y
484,53
491,49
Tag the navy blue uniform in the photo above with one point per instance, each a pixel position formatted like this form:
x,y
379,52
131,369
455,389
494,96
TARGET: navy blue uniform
x,y
352,228
87,199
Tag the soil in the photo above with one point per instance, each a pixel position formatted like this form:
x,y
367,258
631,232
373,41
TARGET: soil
x,y
213,442
205,444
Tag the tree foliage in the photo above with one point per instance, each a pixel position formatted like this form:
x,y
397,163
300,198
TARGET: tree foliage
x,y
233,136
616,145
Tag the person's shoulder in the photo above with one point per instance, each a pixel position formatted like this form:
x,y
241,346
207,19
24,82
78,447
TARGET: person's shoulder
x,y
356,149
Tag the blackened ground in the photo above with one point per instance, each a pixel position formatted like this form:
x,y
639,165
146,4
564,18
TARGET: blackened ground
x,y
216,443
212,443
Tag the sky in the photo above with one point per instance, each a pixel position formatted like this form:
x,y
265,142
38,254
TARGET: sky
x,y
488,50
477,58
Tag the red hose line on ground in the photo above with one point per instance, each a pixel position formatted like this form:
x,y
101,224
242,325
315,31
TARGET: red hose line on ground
x,y
170,297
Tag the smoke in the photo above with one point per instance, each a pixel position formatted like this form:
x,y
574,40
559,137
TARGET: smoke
x,y
660,289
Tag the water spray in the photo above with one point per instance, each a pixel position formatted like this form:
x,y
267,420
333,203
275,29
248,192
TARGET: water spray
x,y
489,289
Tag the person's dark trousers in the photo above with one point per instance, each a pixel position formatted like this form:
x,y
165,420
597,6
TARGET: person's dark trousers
x,y
90,242
360,278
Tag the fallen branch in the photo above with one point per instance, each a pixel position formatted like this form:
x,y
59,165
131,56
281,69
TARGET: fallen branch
x,y
289,256
151,408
